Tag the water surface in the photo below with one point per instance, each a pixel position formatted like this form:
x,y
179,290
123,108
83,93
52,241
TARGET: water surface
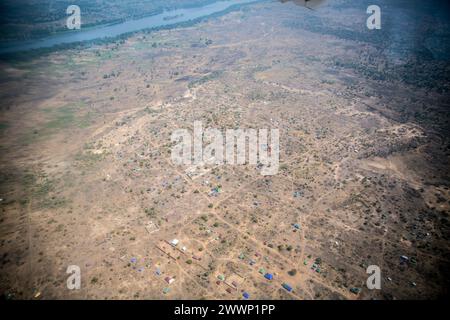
x,y
164,19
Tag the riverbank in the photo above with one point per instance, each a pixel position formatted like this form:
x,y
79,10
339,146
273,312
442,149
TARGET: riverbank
x,y
120,31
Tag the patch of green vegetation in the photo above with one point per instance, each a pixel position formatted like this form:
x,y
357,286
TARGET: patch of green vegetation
x,y
212,76
3,126
40,189
260,68
145,45
326,81
367,71
88,159
106,55
150,212
54,202
28,180
151,111
44,188
64,117
27,138
68,116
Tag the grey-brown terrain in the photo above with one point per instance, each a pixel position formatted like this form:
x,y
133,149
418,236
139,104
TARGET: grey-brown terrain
x,y
87,178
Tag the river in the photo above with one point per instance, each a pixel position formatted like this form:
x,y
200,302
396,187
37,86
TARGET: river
x,y
165,19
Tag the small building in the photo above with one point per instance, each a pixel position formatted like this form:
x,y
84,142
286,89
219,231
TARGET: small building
x,y
246,295
287,287
229,290
296,226
262,271
174,242
169,280
221,277
268,276
298,194
355,290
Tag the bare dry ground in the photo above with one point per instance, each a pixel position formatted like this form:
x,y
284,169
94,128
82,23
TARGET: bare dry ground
x,y
87,180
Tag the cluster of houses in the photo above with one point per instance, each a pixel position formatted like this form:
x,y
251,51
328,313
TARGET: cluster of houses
x,y
233,285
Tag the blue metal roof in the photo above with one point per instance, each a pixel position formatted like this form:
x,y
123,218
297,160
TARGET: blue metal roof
x,y
287,287
268,276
